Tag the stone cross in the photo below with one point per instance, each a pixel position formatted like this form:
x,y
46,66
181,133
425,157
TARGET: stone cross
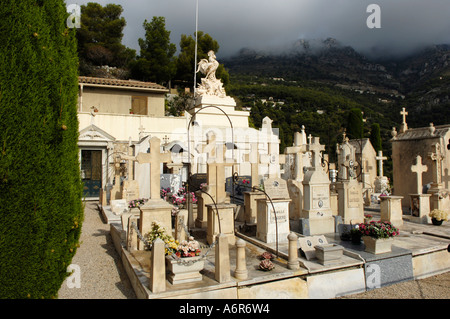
x,y
404,125
380,158
298,150
404,113
154,158
309,138
315,148
437,158
419,169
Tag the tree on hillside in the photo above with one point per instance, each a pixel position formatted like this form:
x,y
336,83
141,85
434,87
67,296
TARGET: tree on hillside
x,y
40,185
100,38
156,62
375,137
355,124
185,62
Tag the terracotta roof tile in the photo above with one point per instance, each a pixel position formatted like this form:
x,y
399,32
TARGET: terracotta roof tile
x,y
120,83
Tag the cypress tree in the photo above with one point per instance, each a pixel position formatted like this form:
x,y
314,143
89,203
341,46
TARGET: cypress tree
x,y
40,186
355,124
375,137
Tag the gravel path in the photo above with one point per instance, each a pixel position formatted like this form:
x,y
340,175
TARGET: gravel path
x,y
102,274
103,277
434,287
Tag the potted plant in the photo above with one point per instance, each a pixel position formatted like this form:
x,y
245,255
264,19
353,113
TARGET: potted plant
x,y
184,263
378,236
355,235
438,216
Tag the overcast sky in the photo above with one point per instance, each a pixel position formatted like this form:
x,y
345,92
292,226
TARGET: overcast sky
x,y
405,24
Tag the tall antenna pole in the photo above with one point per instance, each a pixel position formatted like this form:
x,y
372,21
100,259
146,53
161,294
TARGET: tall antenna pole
x,y
195,54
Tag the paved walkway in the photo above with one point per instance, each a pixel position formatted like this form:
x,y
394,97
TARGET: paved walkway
x,y
102,274
103,277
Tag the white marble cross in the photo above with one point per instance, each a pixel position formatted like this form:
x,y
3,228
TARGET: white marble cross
x,y
155,158
380,158
419,169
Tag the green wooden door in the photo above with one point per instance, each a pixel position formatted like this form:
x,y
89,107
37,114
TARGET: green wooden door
x,y
91,172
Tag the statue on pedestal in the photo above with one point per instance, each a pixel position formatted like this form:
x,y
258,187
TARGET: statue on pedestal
x,y
210,84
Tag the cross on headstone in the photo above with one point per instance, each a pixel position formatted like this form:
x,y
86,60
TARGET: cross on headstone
x,y
154,158
315,148
380,158
298,150
310,137
437,158
419,169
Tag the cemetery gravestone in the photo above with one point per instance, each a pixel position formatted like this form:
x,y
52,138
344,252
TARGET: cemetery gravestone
x,y
307,245
155,209
381,182
420,203
270,221
317,209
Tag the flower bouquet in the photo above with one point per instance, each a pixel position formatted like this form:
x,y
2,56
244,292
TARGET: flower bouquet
x,y
135,203
157,231
189,248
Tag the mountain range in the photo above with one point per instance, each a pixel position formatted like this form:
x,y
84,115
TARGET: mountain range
x,y
419,81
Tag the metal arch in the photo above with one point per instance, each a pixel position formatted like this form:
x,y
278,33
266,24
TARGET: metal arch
x,y
189,157
255,188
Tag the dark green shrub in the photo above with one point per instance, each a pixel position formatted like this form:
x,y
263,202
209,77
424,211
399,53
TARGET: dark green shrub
x,y
375,137
355,124
41,211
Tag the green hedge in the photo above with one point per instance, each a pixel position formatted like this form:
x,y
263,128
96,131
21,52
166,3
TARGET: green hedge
x,y
41,210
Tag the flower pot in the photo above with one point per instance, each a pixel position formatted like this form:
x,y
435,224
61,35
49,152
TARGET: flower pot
x,y
436,222
184,270
377,245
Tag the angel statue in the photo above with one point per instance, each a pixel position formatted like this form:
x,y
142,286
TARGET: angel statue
x,y
210,84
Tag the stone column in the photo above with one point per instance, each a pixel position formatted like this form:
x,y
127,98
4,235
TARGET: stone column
x,y
158,267
293,252
222,271
241,272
